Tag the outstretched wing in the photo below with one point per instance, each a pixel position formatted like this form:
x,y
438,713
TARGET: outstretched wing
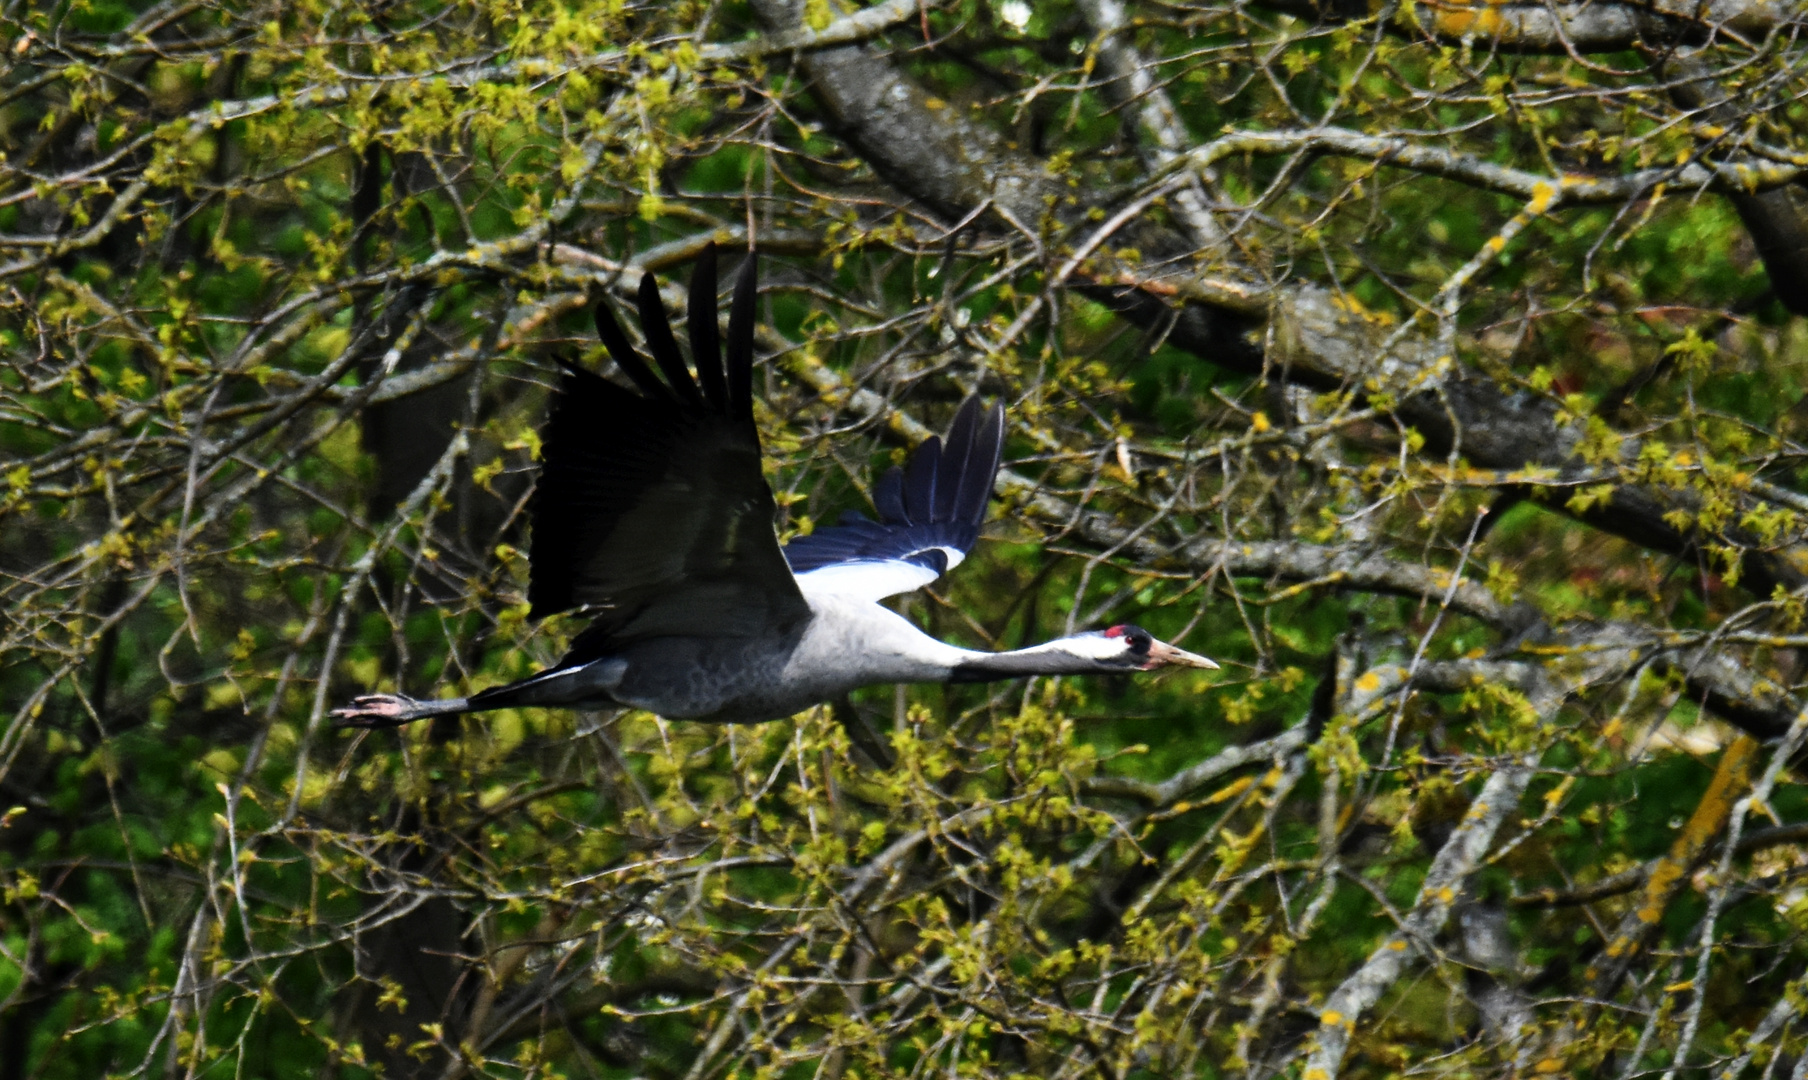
x,y
930,512
651,510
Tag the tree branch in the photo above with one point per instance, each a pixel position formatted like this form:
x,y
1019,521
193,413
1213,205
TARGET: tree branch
x,y
955,167
1565,27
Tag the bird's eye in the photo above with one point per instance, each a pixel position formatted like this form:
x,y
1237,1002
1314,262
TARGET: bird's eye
x,y
1136,639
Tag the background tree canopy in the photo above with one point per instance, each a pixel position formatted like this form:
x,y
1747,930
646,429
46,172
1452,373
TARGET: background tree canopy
x,y
1436,366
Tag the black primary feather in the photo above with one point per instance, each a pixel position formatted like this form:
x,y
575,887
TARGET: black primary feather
x,y
938,500
740,340
955,451
888,496
609,332
706,347
657,330
920,476
982,468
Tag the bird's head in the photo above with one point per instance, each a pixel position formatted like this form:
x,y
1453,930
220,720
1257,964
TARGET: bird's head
x,y
1131,648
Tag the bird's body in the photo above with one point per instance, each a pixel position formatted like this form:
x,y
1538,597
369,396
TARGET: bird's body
x,y
653,517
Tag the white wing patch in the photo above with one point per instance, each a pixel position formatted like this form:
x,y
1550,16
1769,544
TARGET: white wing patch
x,y
870,580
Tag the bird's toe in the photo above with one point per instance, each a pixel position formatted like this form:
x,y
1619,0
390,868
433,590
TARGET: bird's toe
x,y
375,710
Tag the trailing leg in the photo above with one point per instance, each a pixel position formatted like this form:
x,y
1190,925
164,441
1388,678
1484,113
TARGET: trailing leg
x,y
394,710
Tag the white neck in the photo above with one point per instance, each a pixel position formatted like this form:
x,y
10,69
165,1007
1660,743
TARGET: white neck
x,y
1063,656
865,644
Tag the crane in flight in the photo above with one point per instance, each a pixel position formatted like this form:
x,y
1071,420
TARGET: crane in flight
x,y
652,517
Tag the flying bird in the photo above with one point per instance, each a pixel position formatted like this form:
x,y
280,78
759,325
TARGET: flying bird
x,y
652,517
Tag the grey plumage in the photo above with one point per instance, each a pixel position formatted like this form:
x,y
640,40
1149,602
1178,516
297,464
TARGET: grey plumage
x,y
652,516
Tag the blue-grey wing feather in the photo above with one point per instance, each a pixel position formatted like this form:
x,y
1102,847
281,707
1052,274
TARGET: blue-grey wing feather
x,y
935,505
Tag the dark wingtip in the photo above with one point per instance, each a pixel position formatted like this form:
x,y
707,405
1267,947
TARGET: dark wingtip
x,y
740,339
609,332
657,329
920,481
706,347
979,471
991,451
957,453
888,497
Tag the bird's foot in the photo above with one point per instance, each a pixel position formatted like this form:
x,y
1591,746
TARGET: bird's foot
x,y
380,711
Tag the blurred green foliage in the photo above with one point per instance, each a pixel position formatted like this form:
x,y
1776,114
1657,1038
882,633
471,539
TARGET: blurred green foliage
x,y
281,288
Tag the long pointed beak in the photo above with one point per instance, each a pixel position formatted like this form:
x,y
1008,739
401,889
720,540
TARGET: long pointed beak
x,y
1160,652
